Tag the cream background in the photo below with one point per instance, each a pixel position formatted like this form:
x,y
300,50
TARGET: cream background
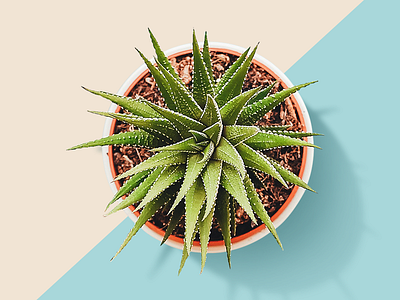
x,y
52,200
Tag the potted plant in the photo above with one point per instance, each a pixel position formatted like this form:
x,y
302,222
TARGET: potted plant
x,y
203,149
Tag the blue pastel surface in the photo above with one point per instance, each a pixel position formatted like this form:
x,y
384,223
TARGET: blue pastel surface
x,y
341,243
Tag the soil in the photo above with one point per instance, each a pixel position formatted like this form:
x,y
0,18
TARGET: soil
x,y
272,193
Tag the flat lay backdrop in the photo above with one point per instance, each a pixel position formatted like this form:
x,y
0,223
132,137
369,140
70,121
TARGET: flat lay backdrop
x,y
341,243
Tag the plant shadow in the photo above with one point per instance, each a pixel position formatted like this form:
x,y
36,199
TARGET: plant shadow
x,y
320,237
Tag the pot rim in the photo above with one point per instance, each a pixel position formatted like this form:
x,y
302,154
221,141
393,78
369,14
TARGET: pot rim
x,y
281,215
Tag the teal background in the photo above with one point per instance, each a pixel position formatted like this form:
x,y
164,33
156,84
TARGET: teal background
x,y
341,243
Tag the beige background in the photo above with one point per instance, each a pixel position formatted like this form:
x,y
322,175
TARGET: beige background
x,y
52,200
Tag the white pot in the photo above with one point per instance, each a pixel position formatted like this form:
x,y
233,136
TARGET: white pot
x,y
283,212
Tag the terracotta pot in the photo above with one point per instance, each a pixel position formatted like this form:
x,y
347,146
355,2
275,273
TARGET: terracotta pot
x,y
280,216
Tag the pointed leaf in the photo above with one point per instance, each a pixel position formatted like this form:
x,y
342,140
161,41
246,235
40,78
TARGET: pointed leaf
x,y
160,128
227,153
185,252
165,158
211,178
296,134
233,184
207,62
129,185
262,94
193,170
254,112
231,110
168,176
174,220
223,218
289,176
139,193
238,134
259,209
231,71
182,123
208,152
134,106
269,140
162,58
205,223
211,113
214,132
198,136
146,214
233,87
182,98
134,138
194,200
161,82
188,145
255,160
202,85
232,207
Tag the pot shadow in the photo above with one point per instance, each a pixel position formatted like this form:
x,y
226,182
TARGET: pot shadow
x,y
320,237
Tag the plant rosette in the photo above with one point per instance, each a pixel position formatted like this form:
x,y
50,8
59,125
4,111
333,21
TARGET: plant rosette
x,y
290,203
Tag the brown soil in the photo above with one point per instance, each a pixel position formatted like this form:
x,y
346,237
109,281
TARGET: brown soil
x,y
271,192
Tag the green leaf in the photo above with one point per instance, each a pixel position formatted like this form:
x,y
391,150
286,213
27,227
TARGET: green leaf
x,y
194,200
289,176
134,138
233,184
161,82
174,220
236,134
295,134
259,209
211,113
181,122
205,223
202,86
129,185
211,178
139,193
255,179
193,170
227,153
168,176
188,145
134,106
182,98
162,58
254,112
269,140
231,110
207,61
208,152
165,158
214,132
185,252
255,160
223,218
198,136
160,128
233,87
232,207
262,94
227,76
146,214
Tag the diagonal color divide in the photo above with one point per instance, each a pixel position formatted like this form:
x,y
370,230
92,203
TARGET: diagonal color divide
x,y
294,26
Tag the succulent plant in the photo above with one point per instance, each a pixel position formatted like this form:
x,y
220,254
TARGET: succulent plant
x,y
205,144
